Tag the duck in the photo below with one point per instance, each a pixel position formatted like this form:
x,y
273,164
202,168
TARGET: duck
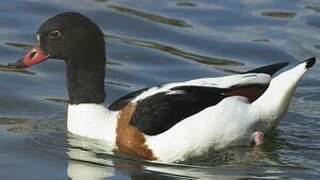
x,y
169,122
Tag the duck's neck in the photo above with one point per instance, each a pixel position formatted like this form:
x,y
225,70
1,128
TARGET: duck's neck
x,y
85,79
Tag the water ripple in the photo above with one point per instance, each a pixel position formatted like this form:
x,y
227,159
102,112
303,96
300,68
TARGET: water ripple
x,y
149,16
173,50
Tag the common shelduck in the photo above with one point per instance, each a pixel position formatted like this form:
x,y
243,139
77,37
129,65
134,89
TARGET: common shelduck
x,y
170,122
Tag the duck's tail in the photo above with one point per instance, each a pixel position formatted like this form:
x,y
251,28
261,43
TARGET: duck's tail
x,y
273,104
269,69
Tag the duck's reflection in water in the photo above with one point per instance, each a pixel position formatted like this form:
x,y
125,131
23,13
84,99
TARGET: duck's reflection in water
x,y
91,159
83,162
81,170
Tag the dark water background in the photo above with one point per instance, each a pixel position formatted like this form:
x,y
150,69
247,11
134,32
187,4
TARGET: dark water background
x,y
152,42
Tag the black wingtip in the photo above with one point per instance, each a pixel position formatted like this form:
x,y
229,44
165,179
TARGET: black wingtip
x,y
310,62
269,69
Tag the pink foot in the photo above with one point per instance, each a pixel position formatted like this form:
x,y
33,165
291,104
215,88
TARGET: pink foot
x,y
258,137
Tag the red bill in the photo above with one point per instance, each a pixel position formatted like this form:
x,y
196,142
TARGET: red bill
x,y
34,56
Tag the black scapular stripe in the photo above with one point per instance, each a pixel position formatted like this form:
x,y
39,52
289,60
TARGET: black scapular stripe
x,y
158,113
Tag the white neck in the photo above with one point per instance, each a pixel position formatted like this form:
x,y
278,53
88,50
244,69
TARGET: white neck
x,y
274,103
92,121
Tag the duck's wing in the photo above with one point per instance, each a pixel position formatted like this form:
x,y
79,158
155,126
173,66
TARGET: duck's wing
x,y
160,111
173,88
159,108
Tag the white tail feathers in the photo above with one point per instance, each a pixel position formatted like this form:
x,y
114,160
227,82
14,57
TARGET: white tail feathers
x,y
273,104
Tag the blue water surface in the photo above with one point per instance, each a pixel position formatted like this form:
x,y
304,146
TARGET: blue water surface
x,y
151,42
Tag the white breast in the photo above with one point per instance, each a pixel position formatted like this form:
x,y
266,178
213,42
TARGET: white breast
x,y
92,121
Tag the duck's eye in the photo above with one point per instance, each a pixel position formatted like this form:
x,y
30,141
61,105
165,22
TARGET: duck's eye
x,y
54,34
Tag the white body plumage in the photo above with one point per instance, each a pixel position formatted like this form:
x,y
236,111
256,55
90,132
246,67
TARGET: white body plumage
x,y
231,121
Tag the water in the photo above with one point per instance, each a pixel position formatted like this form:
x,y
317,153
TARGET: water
x,y
154,42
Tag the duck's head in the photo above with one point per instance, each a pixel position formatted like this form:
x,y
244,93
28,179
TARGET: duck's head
x,y
69,36
78,41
